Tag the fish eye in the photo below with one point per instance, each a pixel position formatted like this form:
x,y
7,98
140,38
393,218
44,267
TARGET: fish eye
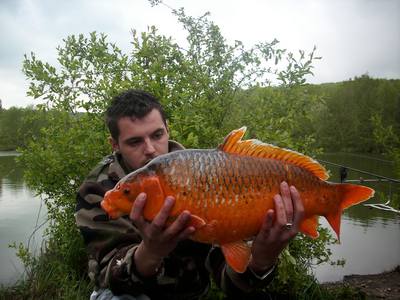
x,y
126,191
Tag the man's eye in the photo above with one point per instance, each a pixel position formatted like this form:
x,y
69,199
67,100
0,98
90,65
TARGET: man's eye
x,y
134,143
158,135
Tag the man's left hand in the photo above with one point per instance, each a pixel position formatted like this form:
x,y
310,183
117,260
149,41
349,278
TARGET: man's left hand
x,y
279,227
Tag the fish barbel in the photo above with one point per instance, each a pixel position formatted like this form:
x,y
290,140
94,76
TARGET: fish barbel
x,y
228,191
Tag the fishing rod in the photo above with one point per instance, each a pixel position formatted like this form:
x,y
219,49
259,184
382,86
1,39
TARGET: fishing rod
x,y
383,178
380,178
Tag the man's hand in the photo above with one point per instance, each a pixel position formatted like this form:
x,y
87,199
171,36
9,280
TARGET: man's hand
x,y
157,239
274,234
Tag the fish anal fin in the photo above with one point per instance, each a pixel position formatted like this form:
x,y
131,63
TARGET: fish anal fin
x,y
237,255
309,226
234,144
334,221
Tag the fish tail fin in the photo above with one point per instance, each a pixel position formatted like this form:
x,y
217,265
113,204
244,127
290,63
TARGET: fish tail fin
x,y
354,194
351,194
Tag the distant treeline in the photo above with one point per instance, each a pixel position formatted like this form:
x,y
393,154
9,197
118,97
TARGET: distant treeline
x,y
351,116
357,115
20,125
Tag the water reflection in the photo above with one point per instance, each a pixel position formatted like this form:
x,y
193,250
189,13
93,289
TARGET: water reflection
x,y
10,170
21,213
366,249
368,216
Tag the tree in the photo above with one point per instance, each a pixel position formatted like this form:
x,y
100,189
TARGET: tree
x,y
197,85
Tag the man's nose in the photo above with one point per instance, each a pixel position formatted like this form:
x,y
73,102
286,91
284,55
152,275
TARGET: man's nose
x,y
149,147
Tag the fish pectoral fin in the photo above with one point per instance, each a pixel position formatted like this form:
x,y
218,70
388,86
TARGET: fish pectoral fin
x,y
309,226
237,255
155,196
196,222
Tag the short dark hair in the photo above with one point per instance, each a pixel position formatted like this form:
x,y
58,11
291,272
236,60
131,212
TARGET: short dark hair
x,y
131,103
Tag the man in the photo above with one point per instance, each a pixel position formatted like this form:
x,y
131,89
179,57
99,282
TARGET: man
x,y
130,258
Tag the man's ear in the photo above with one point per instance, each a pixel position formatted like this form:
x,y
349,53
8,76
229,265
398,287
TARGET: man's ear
x,y
114,143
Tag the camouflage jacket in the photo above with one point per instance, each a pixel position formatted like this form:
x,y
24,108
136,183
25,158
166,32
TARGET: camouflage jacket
x,y
111,244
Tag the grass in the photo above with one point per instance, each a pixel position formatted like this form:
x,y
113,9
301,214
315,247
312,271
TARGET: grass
x,y
46,277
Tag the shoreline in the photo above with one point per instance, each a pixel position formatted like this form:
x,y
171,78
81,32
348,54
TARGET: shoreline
x,y
384,285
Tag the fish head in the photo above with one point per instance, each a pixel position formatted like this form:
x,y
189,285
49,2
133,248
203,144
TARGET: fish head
x,y
119,201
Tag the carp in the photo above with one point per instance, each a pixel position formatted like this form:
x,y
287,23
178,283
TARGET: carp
x,y
228,191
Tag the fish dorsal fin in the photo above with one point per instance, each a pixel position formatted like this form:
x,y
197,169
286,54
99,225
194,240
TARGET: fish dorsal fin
x,y
233,143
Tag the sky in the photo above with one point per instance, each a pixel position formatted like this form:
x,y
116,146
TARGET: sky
x,y
353,37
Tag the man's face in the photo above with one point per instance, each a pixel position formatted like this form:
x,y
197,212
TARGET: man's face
x,y
140,140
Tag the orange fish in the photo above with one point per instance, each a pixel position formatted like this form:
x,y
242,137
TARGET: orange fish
x,y
229,190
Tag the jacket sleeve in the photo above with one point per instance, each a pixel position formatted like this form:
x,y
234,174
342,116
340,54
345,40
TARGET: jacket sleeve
x,y
110,243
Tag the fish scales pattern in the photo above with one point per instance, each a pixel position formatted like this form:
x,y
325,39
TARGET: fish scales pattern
x,y
311,188
226,188
232,191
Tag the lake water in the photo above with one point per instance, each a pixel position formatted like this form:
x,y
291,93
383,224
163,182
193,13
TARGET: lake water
x,y
370,238
20,214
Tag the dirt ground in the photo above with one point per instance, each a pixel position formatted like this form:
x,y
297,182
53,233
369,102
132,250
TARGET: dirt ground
x,y
378,286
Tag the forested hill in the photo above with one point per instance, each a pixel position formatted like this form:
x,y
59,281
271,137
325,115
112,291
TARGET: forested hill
x,y
358,115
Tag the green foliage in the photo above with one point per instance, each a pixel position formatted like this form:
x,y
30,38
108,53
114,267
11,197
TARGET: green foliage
x,y
350,112
57,164
278,115
294,273
19,125
386,136
207,89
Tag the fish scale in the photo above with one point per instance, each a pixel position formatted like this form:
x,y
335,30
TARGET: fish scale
x,y
232,190
229,190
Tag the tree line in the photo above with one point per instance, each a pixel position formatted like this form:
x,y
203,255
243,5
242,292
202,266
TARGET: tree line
x,y
361,115
20,125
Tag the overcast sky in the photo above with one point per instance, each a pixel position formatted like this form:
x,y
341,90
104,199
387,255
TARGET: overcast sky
x,y
353,37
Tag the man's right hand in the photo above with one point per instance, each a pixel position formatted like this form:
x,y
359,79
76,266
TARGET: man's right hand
x,y
158,240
